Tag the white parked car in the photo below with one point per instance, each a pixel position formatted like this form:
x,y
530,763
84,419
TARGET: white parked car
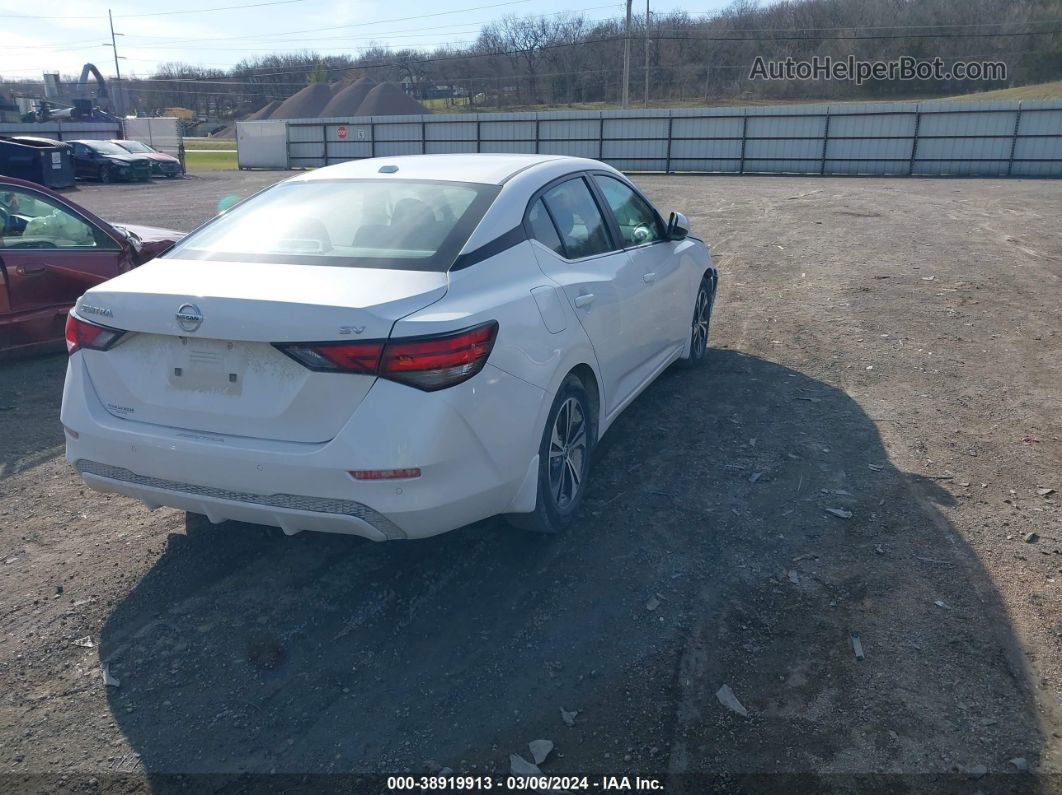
x,y
391,347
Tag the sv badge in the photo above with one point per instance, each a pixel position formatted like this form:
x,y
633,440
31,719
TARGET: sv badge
x,y
351,329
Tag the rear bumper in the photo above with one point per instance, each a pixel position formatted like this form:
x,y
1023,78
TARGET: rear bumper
x,y
474,444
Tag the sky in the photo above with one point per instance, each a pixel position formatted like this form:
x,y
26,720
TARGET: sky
x,y
61,36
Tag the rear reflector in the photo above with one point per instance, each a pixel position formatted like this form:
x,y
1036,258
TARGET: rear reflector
x,y
427,363
385,474
82,334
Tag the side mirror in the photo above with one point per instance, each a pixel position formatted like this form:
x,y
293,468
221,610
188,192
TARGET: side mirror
x,y
677,227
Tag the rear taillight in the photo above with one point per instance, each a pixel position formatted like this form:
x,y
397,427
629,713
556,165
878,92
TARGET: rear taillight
x,y
82,334
431,363
427,363
338,357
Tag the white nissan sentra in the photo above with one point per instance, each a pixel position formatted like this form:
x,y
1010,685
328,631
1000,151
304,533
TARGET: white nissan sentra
x,y
391,347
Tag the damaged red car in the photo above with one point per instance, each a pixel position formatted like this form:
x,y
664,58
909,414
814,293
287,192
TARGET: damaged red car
x,y
51,251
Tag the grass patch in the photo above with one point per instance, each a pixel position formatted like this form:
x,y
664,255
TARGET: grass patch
x,y
1036,91
206,144
209,161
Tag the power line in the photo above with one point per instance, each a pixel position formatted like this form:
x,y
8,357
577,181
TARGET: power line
x,y
210,10
263,90
157,13
356,25
272,37
608,39
259,89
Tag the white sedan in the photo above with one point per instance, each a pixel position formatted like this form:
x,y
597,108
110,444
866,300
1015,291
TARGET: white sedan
x,y
390,348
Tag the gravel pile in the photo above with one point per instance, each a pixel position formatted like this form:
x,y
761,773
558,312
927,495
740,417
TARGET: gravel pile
x,y
305,104
388,99
265,111
349,98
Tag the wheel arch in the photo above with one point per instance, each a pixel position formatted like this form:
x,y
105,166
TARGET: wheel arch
x,y
588,378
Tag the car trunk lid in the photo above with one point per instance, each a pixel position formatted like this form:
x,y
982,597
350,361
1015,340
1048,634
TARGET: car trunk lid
x,y
214,368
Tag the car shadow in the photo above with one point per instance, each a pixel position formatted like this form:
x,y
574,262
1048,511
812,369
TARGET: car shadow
x,y
30,433
743,521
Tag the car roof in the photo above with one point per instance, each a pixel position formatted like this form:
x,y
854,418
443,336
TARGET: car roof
x,y
490,169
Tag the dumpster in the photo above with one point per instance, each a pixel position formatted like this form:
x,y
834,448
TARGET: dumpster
x,y
39,160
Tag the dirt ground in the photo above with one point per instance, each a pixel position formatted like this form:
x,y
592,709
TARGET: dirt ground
x,y
885,348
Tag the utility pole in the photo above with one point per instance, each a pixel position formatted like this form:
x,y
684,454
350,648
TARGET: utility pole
x,y
117,71
627,57
645,100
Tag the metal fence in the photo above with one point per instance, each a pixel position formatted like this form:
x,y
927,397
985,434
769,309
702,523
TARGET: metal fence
x,y
996,139
65,130
161,133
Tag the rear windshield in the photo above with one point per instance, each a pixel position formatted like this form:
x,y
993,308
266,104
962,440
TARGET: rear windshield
x,y
403,224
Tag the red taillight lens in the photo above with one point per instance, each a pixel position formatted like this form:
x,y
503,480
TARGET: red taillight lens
x,y
427,363
431,363
361,357
82,334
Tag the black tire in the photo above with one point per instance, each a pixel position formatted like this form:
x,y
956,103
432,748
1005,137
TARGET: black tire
x,y
555,508
105,175
701,325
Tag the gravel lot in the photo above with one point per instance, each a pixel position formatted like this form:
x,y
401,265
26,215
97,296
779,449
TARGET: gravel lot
x,y
890,348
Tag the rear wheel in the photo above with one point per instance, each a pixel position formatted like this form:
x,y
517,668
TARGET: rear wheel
x,y
563,461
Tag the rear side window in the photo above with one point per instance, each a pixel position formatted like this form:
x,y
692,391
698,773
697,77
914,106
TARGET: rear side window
x,y
578,219
542,228
362,223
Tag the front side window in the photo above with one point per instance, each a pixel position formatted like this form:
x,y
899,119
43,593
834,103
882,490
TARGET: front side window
x,y
366,223
29,220
638,224
578,219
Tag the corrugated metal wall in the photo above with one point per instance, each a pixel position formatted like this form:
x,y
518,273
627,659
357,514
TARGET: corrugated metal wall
x,y
66,131
922,139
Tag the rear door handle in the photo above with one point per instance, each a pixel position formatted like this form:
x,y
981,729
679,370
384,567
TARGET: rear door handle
x,y
584,300
649,278
31,270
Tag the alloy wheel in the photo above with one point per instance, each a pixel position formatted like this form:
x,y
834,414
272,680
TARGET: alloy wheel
x,y
701,316
567,453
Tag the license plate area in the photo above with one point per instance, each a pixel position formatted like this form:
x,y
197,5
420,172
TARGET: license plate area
x,y
208,366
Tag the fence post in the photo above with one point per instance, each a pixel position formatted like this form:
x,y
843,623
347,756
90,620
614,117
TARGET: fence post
x,y
600,137
670,122
744,132
372,137
914,141
324,140
477,135
536,134
423,137
1014,140
825,142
